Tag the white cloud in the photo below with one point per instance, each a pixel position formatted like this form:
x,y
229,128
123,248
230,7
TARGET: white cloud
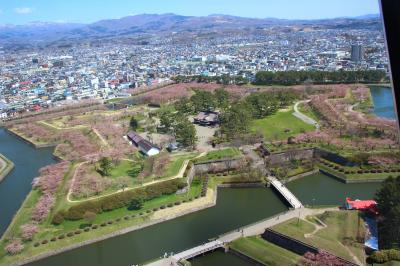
x,y
23,10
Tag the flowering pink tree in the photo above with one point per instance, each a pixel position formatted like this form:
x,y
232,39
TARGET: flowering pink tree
x,y
14,247
48,182
28,231
42,207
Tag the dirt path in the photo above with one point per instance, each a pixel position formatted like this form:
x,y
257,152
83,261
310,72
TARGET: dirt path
x,y
354,257
95,131
321,225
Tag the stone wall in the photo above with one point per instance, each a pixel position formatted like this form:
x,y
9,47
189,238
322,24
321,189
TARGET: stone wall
x,y
286,156
218,165
333,157
296,154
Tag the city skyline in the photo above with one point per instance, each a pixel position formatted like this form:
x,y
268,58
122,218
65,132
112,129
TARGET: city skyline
x,y
24,12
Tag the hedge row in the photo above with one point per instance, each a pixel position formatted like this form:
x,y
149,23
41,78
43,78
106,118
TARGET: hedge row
x,y
118,200
110,222
383,256
359,171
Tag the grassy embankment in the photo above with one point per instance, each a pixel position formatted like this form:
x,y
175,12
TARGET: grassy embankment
x,y
219,154
5,166
340,237
263,251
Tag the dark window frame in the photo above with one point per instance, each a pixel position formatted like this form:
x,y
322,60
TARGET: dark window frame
x,y
390,10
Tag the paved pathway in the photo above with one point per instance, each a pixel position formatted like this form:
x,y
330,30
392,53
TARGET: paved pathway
x,y
303,117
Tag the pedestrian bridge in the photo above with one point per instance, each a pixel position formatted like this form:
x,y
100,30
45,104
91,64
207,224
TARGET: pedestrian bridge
x,y
193,252
285,192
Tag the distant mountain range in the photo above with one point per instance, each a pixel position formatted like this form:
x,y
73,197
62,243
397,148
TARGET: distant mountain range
x,y
45,32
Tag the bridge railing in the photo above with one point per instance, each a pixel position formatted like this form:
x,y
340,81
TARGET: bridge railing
x,y
255,223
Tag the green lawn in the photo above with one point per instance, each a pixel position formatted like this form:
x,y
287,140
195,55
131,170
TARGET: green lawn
x,y
264,251
126,168
219,154
280,126
176,164
338,237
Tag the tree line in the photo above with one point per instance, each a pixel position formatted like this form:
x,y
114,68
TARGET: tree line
x,y
223,79
289,78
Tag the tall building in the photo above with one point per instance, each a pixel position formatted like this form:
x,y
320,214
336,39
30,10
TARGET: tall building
x,y
357,53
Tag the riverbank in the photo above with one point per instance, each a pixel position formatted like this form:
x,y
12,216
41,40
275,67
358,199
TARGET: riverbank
x,y
6,166
126,226
155,218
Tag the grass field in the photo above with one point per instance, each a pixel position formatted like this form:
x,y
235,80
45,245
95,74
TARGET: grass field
x,y
219,154
339,237
126,168
280,126
264,251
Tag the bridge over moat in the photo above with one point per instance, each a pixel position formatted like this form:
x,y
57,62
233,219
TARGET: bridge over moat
x,y
285,192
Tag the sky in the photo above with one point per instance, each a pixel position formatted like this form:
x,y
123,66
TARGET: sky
x,y
87,11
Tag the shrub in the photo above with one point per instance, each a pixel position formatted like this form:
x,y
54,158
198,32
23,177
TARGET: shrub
x,y
126,217
118,219
62,236
28,231
383,256
36,244
95,226
53,239
169,205
14,247
58,218
110,222
155,209
45,241
162,207
86,229
148,211
77,232
133,215
177,203
393,254
103,224
379,257
69,234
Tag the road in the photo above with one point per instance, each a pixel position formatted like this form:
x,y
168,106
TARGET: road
x,y
303,117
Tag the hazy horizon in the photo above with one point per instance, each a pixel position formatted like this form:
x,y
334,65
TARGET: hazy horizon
x,y
75,11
